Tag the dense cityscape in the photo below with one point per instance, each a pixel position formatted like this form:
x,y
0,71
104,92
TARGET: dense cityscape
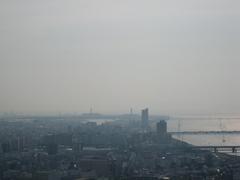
x,y
127,146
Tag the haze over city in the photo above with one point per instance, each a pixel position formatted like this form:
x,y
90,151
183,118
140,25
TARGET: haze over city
x,y
171,56
119,90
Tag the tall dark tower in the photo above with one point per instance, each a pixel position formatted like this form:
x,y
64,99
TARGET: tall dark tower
x,y
145,118
51,144
162,128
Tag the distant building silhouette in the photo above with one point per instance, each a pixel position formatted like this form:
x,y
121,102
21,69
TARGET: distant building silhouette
x,y
51,145
145,118
162,134
162,128
20,144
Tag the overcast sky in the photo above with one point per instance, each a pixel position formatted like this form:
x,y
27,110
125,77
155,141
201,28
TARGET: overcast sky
x,y
169,55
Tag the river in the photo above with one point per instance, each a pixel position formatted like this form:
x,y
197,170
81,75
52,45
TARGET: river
x,y
206,123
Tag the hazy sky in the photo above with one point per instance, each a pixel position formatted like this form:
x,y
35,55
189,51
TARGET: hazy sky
x,y
169,55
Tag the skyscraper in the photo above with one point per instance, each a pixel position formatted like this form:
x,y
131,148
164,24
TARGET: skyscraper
x,y
162,128
145,118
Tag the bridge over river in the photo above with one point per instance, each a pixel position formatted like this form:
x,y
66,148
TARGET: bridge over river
x,y
203,132
233,149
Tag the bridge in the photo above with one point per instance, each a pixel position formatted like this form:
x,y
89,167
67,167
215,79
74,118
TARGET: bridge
x,y
203,132
233,149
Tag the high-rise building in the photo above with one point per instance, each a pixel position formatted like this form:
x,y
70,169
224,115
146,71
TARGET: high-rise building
x,y
145,118
51,144
20,144
162,128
